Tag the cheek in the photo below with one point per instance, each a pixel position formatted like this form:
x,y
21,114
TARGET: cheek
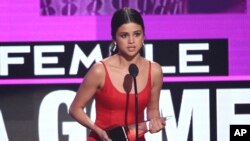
x,y
121,44
139,42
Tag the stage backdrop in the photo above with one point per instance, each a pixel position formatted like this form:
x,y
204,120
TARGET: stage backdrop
x,y
47,46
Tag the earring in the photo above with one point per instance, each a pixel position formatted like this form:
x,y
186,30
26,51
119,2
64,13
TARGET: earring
x,y
114,47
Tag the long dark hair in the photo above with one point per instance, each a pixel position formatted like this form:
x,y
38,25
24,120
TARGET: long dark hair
x,y
123,16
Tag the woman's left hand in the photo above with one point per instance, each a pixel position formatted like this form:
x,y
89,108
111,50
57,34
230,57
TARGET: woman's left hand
x,y
156,124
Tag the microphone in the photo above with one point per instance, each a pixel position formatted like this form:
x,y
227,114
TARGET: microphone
x,y
133,70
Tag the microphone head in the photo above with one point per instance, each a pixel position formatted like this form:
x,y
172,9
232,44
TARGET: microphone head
x,y
133,70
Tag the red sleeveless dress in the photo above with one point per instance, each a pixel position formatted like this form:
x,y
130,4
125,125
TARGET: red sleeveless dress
x,y
114,108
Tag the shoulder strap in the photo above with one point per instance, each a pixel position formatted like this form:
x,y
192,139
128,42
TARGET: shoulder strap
x,y
105,68
149,72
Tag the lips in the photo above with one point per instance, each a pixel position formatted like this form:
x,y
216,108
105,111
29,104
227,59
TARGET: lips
x,y
131,48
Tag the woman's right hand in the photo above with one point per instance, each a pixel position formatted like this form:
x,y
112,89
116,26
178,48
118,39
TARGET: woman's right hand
x,y
103,135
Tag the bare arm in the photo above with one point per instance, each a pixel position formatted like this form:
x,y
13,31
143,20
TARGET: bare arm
x,y
153,106
153,113
93,82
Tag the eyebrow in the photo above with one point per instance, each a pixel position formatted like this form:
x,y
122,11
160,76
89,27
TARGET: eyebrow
x,y
133,31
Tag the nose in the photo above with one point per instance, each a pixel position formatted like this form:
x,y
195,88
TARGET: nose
x,y
131,39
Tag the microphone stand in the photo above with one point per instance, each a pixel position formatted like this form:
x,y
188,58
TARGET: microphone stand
x,y
136,109
133,70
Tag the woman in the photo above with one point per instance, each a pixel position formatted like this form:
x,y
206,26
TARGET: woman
x,y
110,84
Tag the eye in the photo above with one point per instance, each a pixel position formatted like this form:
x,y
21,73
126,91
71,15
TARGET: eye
x,y
136,34
124,35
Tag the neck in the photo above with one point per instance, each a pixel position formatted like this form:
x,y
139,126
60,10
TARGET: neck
x,y
127,61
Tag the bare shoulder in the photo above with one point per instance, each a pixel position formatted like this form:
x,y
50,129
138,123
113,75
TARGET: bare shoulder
x,y
156,68
156,75
95,76
96,70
